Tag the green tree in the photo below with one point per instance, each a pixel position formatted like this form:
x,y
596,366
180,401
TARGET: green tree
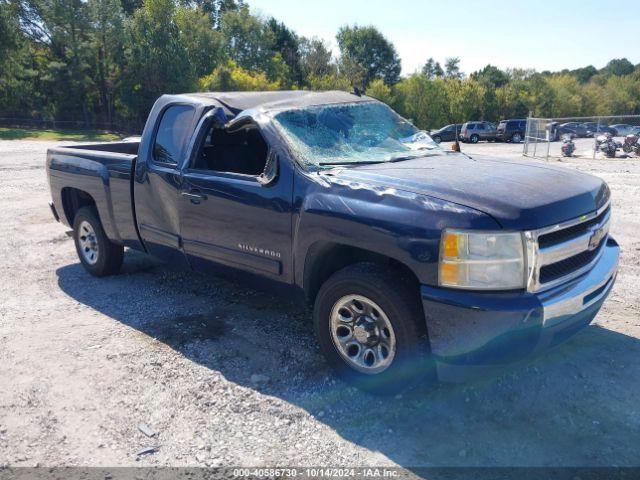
x,y
452,68
491,76
229,77
130,6
204,46
287,45
249,41
620,95
62,30
465,99
315,58
215,9
619,66
422,100
157,60
567,99
107,19
380,90
584,74
332,81
368,49
9,31
432,69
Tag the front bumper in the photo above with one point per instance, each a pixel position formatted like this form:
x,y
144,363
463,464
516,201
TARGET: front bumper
x,y
54,212
473,333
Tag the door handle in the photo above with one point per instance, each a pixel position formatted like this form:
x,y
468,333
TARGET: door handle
x,y
195,196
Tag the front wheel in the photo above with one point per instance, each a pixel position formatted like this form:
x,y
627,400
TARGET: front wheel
x,y
98,255
516,138
370,328
436,138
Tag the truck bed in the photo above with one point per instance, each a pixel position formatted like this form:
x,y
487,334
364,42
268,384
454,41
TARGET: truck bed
x,y
104,172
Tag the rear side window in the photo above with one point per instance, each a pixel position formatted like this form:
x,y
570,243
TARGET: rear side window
x,y
471,126
173,134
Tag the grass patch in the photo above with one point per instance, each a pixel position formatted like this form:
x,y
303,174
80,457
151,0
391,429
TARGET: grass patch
x,y
56,135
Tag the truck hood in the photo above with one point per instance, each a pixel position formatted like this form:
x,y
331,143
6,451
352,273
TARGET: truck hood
x,y
518,195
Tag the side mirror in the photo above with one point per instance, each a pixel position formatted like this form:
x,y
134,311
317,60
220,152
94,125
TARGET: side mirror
x,y
271,169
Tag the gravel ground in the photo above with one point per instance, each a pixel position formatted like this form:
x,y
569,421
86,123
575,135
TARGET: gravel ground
x,y
226,375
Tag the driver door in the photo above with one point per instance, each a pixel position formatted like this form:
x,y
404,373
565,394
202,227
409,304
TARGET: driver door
x,y
229,216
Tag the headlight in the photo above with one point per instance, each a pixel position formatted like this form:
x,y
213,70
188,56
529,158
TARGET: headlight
x,y
481,260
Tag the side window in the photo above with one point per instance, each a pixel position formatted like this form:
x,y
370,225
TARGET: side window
x,y
482,126
241,150
173,134
471,126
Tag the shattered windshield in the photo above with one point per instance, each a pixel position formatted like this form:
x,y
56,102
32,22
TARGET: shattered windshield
x,y
356,133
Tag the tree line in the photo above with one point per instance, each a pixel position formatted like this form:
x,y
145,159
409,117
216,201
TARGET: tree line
x,y
106,62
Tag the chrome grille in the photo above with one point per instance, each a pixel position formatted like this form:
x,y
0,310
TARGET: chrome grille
x,y
565,251
559,269
570,232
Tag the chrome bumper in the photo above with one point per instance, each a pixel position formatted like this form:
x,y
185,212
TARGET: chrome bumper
x,y
473,334
581,294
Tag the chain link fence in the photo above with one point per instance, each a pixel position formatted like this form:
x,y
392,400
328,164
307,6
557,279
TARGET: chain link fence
x,y
543,136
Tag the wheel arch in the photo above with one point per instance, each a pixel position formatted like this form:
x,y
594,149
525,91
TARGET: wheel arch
x,y
73,199
324,258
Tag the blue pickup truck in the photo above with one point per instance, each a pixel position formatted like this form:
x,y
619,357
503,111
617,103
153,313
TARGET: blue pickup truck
x,y
418,261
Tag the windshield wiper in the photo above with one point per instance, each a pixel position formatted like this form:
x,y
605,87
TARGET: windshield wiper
x,y
366,162
409,157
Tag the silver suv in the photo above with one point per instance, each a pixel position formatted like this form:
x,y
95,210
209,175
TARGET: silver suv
x,y
475,131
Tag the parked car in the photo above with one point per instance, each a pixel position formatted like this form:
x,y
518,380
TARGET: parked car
x,y
594,128
475,131
623,129
416,259
575,128
511,130
446,133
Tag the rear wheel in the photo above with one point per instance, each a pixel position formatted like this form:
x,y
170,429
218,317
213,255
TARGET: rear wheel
x,y
98,255
371,329
436,138
474,138
516,137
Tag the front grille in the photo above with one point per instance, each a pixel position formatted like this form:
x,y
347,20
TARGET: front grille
x,y
569,265
570,232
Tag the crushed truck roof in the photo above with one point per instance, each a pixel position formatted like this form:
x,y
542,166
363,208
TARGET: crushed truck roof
x,y
236,102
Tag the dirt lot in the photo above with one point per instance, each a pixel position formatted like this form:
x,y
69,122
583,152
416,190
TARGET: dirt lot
x,y
84,361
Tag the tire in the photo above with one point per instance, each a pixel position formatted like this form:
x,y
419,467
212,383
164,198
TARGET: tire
x,y
436,138
516,137
98,255
399,308
474,138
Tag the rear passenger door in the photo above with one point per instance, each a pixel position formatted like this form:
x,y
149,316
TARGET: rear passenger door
x,y
481,130
158,181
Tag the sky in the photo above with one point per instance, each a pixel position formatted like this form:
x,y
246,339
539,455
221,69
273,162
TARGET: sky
x,y
544,35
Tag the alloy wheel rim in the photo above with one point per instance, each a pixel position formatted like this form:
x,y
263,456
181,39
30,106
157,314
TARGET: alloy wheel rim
x,y
362,334
88,242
